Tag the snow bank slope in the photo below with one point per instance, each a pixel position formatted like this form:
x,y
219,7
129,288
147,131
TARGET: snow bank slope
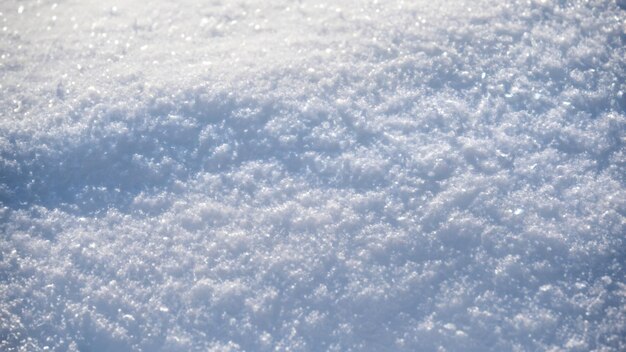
x,y
430,175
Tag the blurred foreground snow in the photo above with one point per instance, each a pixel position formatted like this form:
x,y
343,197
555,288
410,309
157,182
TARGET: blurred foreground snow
x,y
308,176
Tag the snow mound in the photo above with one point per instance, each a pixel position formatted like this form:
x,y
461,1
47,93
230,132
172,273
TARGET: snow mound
x,y
342,176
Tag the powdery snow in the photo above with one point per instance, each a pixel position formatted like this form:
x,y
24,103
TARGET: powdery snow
x,y
309,176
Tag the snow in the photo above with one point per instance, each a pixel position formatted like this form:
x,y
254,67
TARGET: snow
x,y
343,176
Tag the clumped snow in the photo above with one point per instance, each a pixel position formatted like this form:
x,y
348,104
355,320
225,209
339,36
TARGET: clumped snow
x,y
308,176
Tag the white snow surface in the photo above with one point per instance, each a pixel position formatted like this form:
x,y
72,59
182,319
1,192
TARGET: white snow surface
x,y
425,175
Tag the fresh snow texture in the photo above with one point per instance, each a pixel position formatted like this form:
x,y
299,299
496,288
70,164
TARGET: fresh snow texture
x,y
428,175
